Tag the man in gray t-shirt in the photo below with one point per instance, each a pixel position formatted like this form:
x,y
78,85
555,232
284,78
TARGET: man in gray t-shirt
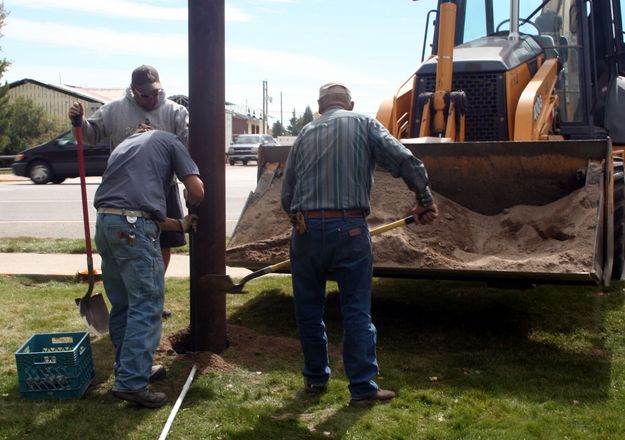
x,y
131,214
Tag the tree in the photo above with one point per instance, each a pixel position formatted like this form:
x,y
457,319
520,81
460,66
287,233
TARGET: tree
x,y
307,116
4,89
277,129
296,124
27,125
293,126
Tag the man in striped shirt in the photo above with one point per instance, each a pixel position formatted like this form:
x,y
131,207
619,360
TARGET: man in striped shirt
x,y
327,186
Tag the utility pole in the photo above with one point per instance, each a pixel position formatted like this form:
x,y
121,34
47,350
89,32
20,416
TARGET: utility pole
x,y
281,121
265,106
207,133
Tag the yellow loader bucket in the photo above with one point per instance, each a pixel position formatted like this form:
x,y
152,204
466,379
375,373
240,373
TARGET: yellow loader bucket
x,y
530,211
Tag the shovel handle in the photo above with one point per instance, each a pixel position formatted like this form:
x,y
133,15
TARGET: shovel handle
x,y
85,207
396,224
264,271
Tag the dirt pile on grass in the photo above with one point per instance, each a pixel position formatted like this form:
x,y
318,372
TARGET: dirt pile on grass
x,y
557,237
247,349
179,344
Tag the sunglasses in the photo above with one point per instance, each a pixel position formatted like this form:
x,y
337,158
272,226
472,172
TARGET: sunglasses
x,y
150,95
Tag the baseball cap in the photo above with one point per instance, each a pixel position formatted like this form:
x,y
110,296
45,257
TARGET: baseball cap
x,y
332,88
145,79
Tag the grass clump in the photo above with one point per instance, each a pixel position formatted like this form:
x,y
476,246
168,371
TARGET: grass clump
x,y
56,246
43,246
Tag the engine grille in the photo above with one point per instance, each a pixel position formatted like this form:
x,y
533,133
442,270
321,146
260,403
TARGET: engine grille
x,y
486,118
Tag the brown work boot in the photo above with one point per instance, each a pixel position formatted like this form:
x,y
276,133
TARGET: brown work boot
x,y
147,398
380,396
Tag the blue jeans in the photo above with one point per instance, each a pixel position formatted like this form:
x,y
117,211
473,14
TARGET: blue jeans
x,y
341,247
133,275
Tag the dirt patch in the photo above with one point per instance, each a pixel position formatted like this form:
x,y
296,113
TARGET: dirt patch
x,y
558,237
248,349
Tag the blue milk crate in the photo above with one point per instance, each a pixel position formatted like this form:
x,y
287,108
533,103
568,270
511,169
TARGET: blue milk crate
x,y
55,365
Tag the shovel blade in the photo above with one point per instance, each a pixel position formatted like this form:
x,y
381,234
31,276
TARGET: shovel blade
x,y
222,283
94,312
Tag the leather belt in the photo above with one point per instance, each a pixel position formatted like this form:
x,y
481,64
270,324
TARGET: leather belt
x,y
336,213
125,212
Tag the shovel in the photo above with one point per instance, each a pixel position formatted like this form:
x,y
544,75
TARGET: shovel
x,y
224,282
92,307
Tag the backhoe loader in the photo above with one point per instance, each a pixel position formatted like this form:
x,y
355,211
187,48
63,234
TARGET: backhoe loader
x,y
518,114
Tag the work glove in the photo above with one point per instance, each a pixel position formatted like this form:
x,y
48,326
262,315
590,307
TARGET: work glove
x,y
425,214
189,222
76,113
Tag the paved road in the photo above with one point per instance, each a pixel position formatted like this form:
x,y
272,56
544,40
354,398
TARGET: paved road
x,y
55,211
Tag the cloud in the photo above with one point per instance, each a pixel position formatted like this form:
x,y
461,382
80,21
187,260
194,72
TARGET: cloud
x,y
289,64
174,46
128,9
105,40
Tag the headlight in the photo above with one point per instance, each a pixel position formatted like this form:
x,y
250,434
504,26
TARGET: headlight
x,y
19,157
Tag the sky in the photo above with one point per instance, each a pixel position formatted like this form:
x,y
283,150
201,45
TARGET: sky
x,y
372,46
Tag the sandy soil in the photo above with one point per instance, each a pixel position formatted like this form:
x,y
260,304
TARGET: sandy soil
x,y
558,237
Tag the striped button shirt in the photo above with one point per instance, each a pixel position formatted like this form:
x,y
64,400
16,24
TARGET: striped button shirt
x,y
331,164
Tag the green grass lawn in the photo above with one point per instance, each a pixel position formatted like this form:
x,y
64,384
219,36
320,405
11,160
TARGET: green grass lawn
x,y
467,361
43,246
58,245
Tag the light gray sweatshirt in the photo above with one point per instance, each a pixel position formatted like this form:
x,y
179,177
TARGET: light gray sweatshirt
x,y
119,119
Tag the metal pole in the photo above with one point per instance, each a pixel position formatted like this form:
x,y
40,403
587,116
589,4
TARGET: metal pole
x,y
206,140
174,410
265,106
514,20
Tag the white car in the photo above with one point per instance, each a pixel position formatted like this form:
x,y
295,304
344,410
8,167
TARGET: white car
x,y
245,148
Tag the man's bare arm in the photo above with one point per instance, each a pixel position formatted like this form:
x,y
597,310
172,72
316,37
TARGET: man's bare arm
x,y
194,193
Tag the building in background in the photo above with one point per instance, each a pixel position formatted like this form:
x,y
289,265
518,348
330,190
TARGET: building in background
x,y
246,124
57,98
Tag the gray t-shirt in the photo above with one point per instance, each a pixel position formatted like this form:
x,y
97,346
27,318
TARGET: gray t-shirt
x,y
140,170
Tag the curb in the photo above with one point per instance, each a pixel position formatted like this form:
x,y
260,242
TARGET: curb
x,y
12,178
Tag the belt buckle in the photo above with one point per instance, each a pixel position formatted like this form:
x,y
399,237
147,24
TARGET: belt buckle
x,y
131,219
